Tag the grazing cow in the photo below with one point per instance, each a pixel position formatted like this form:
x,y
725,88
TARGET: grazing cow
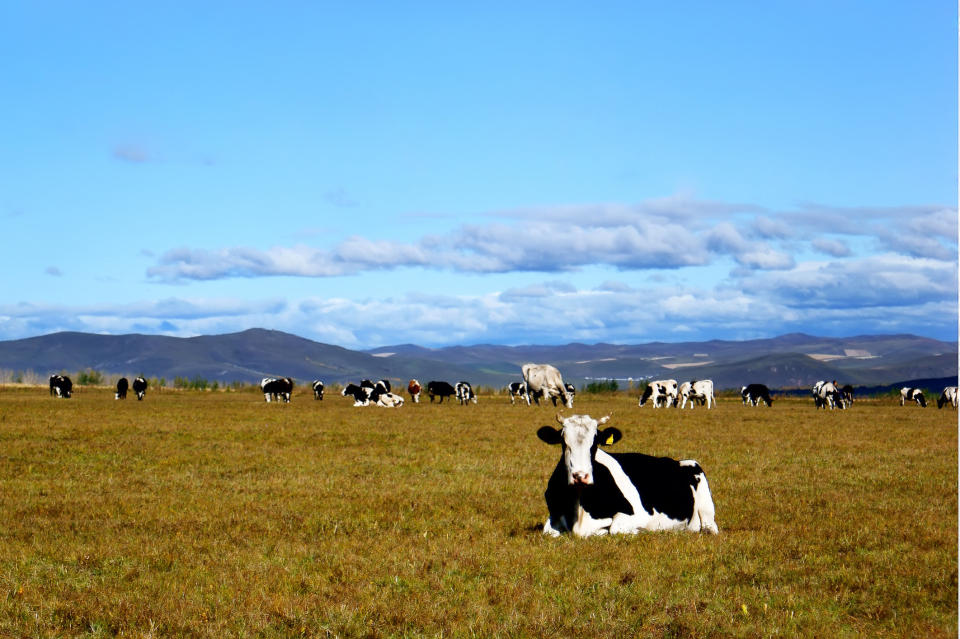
x,y
414,388
61,386
847,394
359,393
139,387
908,394
699,391
753,394
276,388
122,386
545,380
441,390
465,393
827,395
662,392
948,396
517,390
592,492
317,389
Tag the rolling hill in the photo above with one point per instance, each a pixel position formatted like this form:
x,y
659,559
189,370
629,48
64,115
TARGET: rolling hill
x,y
793,360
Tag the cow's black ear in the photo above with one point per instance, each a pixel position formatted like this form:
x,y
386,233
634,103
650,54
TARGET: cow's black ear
x,y
609,436
550,434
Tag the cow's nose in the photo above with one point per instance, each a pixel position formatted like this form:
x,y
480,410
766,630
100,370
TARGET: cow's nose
x,y
581,478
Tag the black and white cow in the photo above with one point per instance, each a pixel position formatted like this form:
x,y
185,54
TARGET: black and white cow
x,y
948,396
139,387
847,394
660,393
122,386
414,388
544,380
441,390
827,395
278,389
908,394
696,391
592,492
516,390
753,394
317,389
359,394
386,399
61,386
465,393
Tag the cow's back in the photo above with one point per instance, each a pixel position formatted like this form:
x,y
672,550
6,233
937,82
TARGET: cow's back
x,y
663,484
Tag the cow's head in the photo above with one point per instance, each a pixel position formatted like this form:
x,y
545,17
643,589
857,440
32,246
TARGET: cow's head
x,y
579,437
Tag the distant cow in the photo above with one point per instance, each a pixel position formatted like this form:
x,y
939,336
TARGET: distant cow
x,y
908,394
139,387
386,400
847,394
948,396
122,385
827,395
660,393
278,389
697,391
546,381
592,492
317,389
465,393
753,394
61,386
414,388
517,390
359,394
441,390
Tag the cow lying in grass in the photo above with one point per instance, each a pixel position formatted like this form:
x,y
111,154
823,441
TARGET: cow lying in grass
x,y
592,492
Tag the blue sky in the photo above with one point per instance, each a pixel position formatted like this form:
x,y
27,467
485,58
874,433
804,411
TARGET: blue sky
x,y
443,173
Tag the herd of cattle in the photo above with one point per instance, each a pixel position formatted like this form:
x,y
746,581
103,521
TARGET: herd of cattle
x,y
540,381
590,492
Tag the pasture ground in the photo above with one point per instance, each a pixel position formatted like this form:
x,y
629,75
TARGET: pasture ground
x,y
217,515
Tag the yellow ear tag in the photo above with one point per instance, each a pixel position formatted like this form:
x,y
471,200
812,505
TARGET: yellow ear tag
x,y
609,441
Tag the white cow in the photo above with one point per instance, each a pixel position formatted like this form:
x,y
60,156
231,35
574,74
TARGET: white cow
x,y
697,391
827,395
544,379
662,392
948,396
592,492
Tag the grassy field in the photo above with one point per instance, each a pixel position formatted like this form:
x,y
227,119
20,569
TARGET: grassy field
x,y
217,515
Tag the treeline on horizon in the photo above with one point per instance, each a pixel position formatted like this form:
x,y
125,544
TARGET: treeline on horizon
x,y
92,378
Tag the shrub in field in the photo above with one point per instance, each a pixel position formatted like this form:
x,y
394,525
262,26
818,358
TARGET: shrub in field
x,y
90,377
602,386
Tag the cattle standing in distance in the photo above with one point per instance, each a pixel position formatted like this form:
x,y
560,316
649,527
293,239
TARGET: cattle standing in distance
x,y
278,389
317,389
414,388
122,385
516,390
847,394
827,395
948,396
908,394
546,381
697,391
61,386
139,387
441,390
660,393
465,393
753,394
592,492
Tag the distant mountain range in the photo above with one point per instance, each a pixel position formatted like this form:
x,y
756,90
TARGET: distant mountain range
x,y
793,360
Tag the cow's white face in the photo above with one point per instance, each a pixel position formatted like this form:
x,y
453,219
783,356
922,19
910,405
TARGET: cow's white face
x,y
580,437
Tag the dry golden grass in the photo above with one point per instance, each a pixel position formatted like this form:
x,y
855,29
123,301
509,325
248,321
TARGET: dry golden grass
x,y
217,515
